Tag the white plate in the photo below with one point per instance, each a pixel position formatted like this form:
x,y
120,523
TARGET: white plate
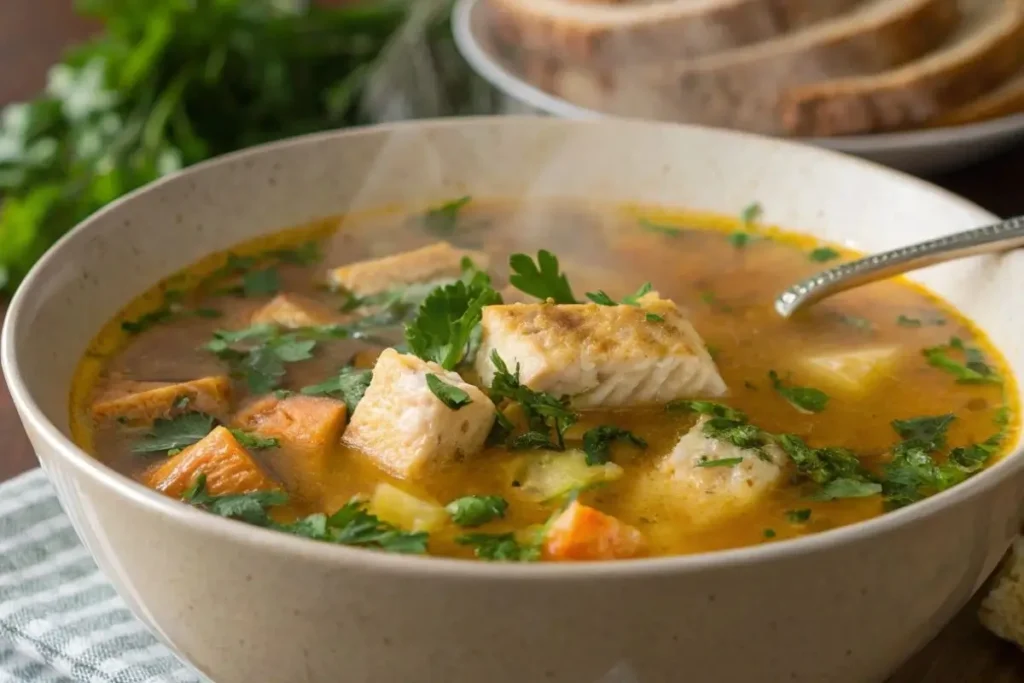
x,y
921,152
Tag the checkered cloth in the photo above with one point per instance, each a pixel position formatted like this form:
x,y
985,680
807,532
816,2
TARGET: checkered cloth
x,y
60,620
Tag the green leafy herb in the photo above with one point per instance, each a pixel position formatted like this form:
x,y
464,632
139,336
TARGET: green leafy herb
x,y
712,300
147,320
254,441
740,239
259,353
634,298
349,385
353,525
663,228
444,325
500,547
208,313
306,254
542,279
442,219
798,516
804,399
823,465
725,424
751,213
769,533
597,442
654,318
544,412
175,433
719,462
972,370
847,488
452,396
266,282
471,511
906,321
599,297
823,254
250,508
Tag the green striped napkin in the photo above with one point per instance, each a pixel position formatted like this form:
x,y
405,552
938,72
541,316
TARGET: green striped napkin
x,y
60,620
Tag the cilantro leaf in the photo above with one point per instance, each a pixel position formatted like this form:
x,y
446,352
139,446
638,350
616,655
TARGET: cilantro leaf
x,y
804,399
544,412
822,465
250,508
266,282
847,488
973,369
471,511
751,213
500,547
442,219
720,462
798,516
600,297
543,280
823,254
444,325
175,433
349,385
252,441
453,397
597,442
259,353
353,525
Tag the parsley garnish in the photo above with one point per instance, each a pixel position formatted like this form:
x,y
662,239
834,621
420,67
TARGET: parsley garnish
x,y
471,511
597,442
720,462
823,254
599,297
724,423
264,282
751,213
823,465
973,369
500,547
259,353
740,239
662,228
769,533
544,412
175,433
654,318
452,396
543,280
349,385
442,219
254,441
847,488
798,516
906,321
147,320
250,508
804,399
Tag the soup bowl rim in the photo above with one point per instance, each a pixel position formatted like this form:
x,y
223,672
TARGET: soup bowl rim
x,y
228,530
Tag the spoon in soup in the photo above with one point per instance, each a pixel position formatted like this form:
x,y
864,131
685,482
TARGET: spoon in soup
x,y
1002,236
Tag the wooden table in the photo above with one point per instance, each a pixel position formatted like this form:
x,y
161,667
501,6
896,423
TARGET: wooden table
x,y
963,652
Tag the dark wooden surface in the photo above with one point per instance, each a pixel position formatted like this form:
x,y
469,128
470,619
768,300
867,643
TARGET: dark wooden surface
x,y
963,652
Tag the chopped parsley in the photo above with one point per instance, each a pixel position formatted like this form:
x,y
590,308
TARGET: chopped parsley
x,y
443,219
265,282
725,424
444,325
907,321
254,442
798,516
823,465
471,511
740,239
147,320
250,508
545,413
719,462
654,318
769,533
453,397
599,297
847,488
174,434
349,385
258,353
597,442
971,370
500,547
823,254
804,399
542,279
751,213
662,228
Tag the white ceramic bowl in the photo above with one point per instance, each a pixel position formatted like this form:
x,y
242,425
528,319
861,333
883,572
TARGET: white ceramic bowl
x,y
245,604
923,152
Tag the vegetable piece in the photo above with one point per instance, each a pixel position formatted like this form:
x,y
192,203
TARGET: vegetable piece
x,y
544,412
451,396
500,547
389,275
581,532
293,311
349,386
473,511
597,442
973,369
823,254
542,279
229,469
853,372
804,399
551,475
143,402
442,219
405,510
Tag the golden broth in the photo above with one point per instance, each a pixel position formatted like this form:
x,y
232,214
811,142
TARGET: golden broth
x,y
724,275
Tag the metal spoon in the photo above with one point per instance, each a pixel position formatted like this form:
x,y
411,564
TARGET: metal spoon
x,y
1003,236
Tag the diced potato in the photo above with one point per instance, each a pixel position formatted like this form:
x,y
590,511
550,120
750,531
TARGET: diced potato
x,y
432,262
607,356
548,475
228,467
293,310
144,402
719,479
852,372
308,429
405,510
406,429
584,533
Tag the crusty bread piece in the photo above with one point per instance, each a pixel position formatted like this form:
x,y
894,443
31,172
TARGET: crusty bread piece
x,y
740,88
1005,100
612,32
1002,610
984,52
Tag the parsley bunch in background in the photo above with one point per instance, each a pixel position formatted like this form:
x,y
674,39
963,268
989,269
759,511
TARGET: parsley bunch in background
x,y
169,83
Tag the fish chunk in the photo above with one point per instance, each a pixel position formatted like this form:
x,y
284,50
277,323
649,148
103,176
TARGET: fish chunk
x,y
720,478
293,310
406,429
581,532
602,356
433,262
228,467
144,402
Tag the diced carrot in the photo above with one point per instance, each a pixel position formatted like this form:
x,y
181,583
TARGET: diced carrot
x,y
228,467
583,533
146,401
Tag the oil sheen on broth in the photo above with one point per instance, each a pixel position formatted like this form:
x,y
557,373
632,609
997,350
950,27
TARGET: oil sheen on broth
x,y
860,371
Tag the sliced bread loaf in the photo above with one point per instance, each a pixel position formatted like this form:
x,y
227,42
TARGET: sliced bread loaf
x,y
740,88
1005,100
594,33
984,52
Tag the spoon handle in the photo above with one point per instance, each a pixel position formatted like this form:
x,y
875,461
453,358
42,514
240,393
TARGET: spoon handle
x,y
1008,234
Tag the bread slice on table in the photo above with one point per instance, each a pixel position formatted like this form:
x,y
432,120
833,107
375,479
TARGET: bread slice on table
x,y
740,88
1002,610
986,50
606,32
1006,100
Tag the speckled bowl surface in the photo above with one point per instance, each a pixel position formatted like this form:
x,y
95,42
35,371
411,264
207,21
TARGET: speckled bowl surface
x,y
245,604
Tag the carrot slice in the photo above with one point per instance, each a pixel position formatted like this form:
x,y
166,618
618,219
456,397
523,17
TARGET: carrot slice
x,y
583,533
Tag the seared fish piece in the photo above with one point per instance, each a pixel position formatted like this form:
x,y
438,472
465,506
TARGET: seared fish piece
x,y
608,356
143,402
406,429
720,478
433,262
293,311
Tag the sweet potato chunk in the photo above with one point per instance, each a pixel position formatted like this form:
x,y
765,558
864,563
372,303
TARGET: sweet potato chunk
x,y
144,402
228,467
583,533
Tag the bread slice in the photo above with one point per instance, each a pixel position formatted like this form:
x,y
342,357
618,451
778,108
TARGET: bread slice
x,y
986,50
608,33
740,88
1005,100
1002,610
